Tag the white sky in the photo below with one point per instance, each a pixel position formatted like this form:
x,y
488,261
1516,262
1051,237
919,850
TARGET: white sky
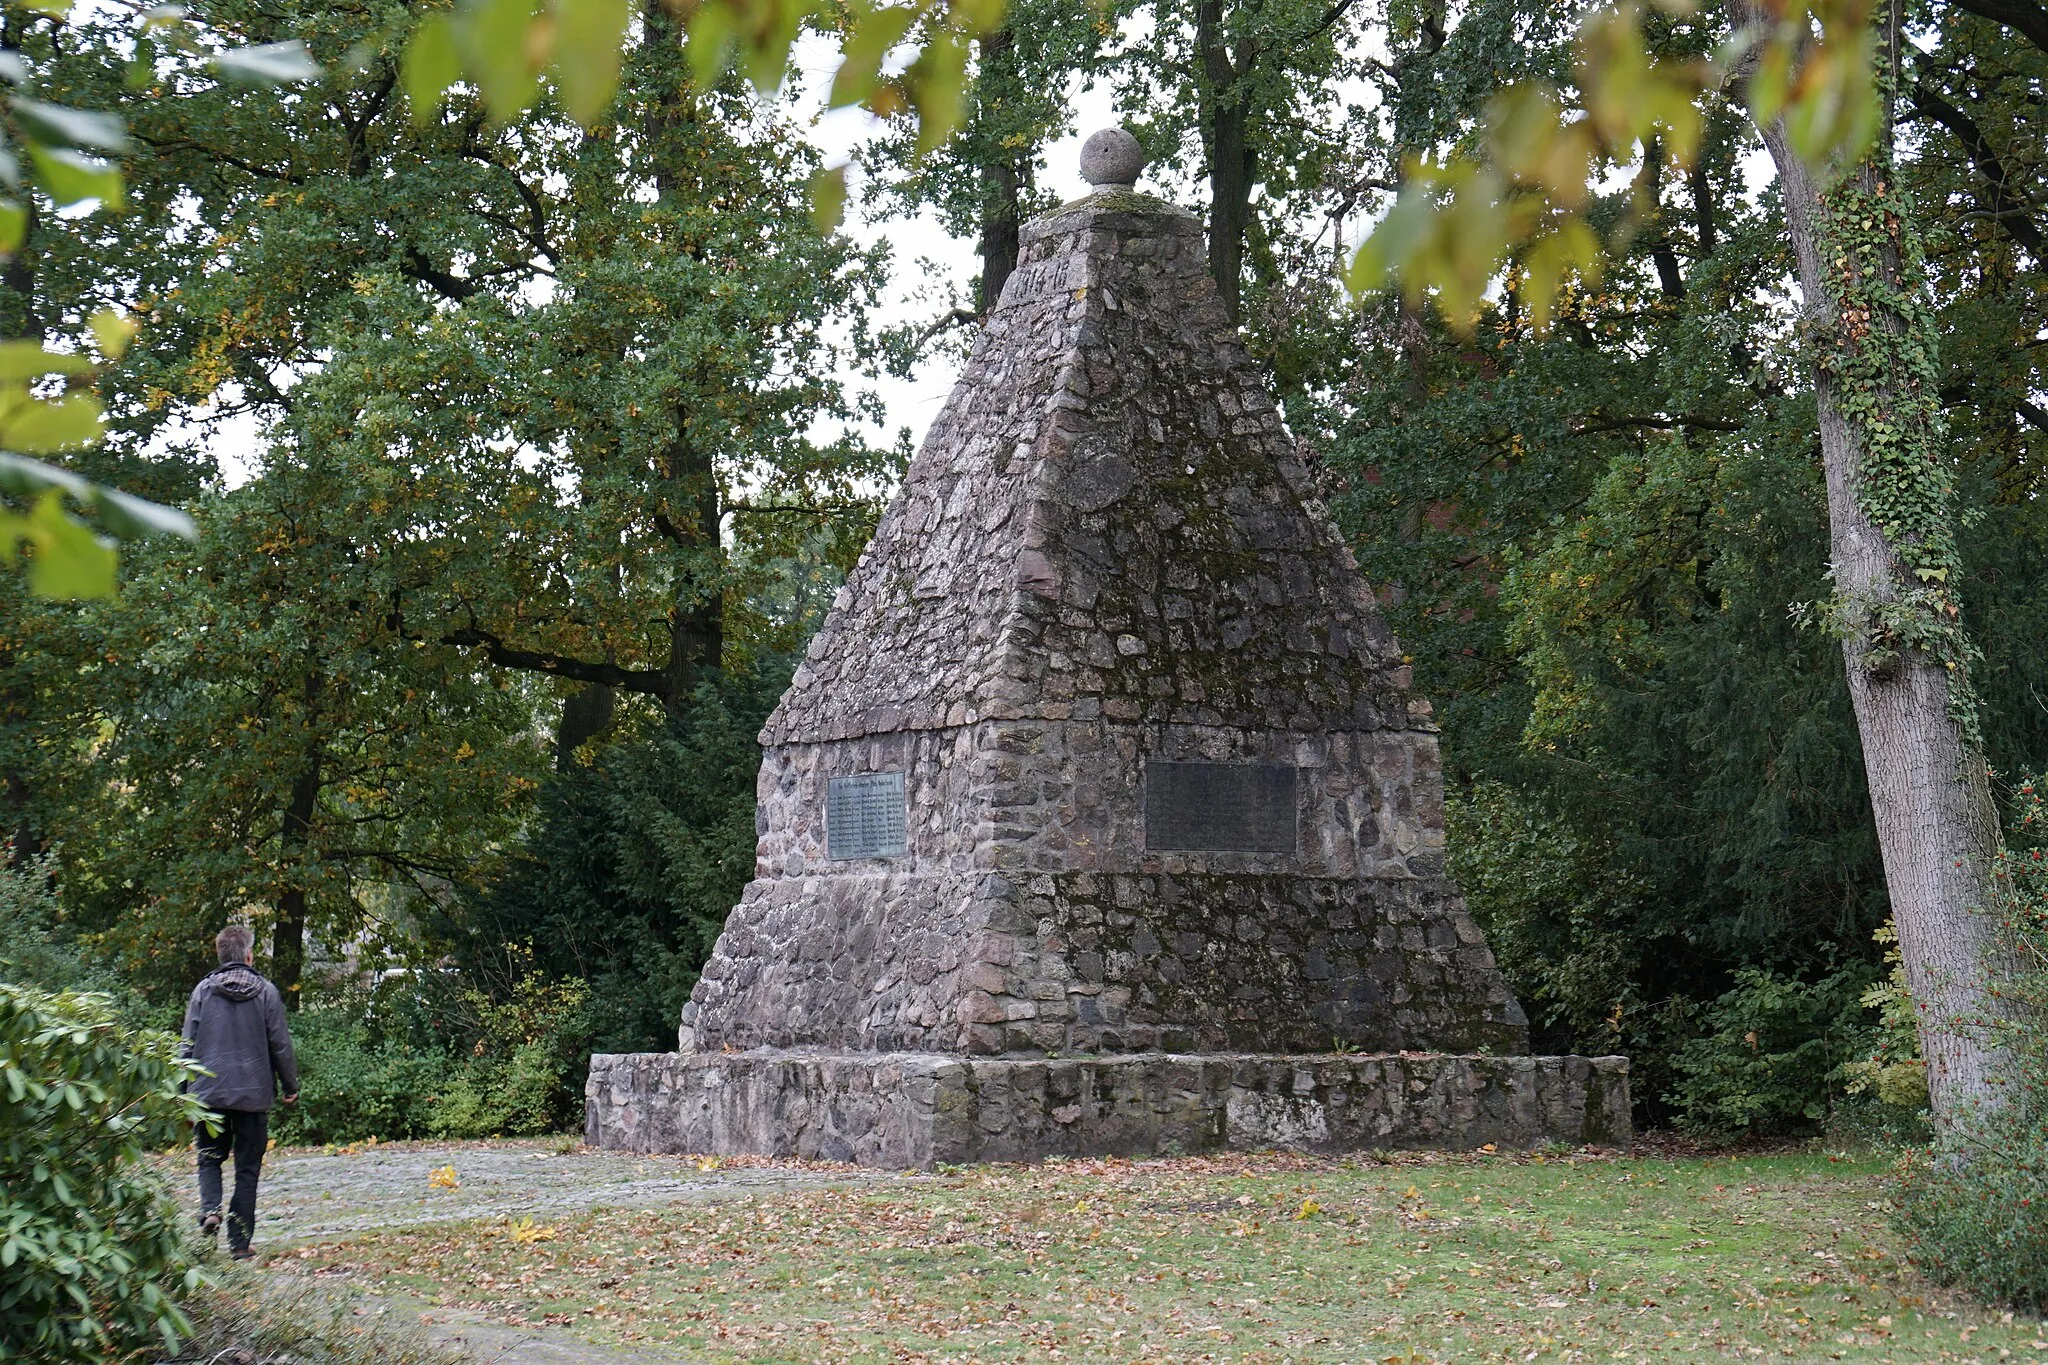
x,y
916,295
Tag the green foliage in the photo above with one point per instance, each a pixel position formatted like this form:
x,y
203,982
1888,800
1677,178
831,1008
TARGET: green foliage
x,y
636,857
524,1073
1522,194
1771,1058
1971,1208
1587,540
90,1241
1558,910
502,47
71,156
264,736
356,1081
427,1054
32,951
1893,1073
509,456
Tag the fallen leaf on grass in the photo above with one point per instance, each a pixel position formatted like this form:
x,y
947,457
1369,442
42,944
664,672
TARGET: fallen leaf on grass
x,y
443,1178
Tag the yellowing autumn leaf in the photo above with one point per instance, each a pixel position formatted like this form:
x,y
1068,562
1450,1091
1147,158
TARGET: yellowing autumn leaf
x,y
443,1178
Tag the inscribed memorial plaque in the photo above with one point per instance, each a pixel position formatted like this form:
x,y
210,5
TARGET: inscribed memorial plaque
x,y
1219,807
864,816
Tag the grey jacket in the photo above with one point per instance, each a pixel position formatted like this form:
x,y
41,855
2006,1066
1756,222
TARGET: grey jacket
x,y
235,1028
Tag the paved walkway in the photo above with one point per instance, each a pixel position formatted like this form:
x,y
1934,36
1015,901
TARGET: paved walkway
x,y
317,1196
320,1195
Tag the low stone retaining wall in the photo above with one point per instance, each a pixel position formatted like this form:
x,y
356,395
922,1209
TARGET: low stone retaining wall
x,y
912,1110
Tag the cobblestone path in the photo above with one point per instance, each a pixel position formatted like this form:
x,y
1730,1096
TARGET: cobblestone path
x,y
313,1195
319,1194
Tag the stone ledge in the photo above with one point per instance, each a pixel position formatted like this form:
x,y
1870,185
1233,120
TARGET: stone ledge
x,y
914,1110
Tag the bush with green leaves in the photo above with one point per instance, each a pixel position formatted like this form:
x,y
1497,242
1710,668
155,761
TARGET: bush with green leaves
x,y
354,1081
1973,1204
429,1054
92,1252
1771,1059
31,948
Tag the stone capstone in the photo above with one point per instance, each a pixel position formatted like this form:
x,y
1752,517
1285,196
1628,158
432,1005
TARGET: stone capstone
x,y
1112,158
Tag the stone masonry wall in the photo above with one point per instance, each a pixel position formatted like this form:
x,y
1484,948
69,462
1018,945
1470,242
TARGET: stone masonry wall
x,y
980,940
1106,554
918,1109
1106,519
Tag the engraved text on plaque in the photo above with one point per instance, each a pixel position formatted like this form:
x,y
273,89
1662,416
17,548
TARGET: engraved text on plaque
x,y
1219,807
864,816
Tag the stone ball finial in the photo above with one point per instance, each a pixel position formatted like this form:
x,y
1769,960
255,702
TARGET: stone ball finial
x,y
1111,160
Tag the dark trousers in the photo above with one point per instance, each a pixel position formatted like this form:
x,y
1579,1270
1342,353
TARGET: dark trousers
x,y
245,1133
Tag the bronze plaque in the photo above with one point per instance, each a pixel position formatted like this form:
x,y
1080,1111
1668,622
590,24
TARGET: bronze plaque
x,y
1219,807
864,816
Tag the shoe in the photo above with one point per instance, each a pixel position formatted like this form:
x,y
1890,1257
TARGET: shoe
x,y
209,1224
243,1254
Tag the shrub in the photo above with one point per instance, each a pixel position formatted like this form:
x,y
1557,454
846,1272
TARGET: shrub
x,y
523,1074
1973,1205
31,949
90,1241
1771,1059
355,1084
428,1055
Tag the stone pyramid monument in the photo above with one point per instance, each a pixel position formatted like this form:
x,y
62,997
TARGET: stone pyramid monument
x,y
1102,815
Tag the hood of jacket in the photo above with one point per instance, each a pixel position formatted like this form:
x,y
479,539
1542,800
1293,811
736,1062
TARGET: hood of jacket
x,y
237,981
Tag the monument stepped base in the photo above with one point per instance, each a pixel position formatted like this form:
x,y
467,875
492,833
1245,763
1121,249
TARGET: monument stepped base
x,y
915,1110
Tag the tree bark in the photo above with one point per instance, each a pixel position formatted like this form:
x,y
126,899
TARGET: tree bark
x,y
1232,171
1929,791
586,714
288,935
1004,183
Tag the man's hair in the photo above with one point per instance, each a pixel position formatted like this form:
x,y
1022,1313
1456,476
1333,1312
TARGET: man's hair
x,y
233,943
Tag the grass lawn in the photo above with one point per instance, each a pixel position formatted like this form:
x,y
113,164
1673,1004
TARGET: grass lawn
x,y
1267,1257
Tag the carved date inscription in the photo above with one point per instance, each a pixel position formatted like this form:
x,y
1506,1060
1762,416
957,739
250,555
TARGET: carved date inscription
x,y
1219,807
864,816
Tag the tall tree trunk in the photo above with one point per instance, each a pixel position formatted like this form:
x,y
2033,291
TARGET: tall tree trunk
x,y
288,935
690,510
1231,163
586,714
1936,824
697,621
1004,182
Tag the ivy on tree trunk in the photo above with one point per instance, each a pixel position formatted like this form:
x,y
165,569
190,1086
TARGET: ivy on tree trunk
x,y
1870,338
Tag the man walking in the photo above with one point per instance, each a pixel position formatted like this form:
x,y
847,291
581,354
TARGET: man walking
x,y
235,1028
